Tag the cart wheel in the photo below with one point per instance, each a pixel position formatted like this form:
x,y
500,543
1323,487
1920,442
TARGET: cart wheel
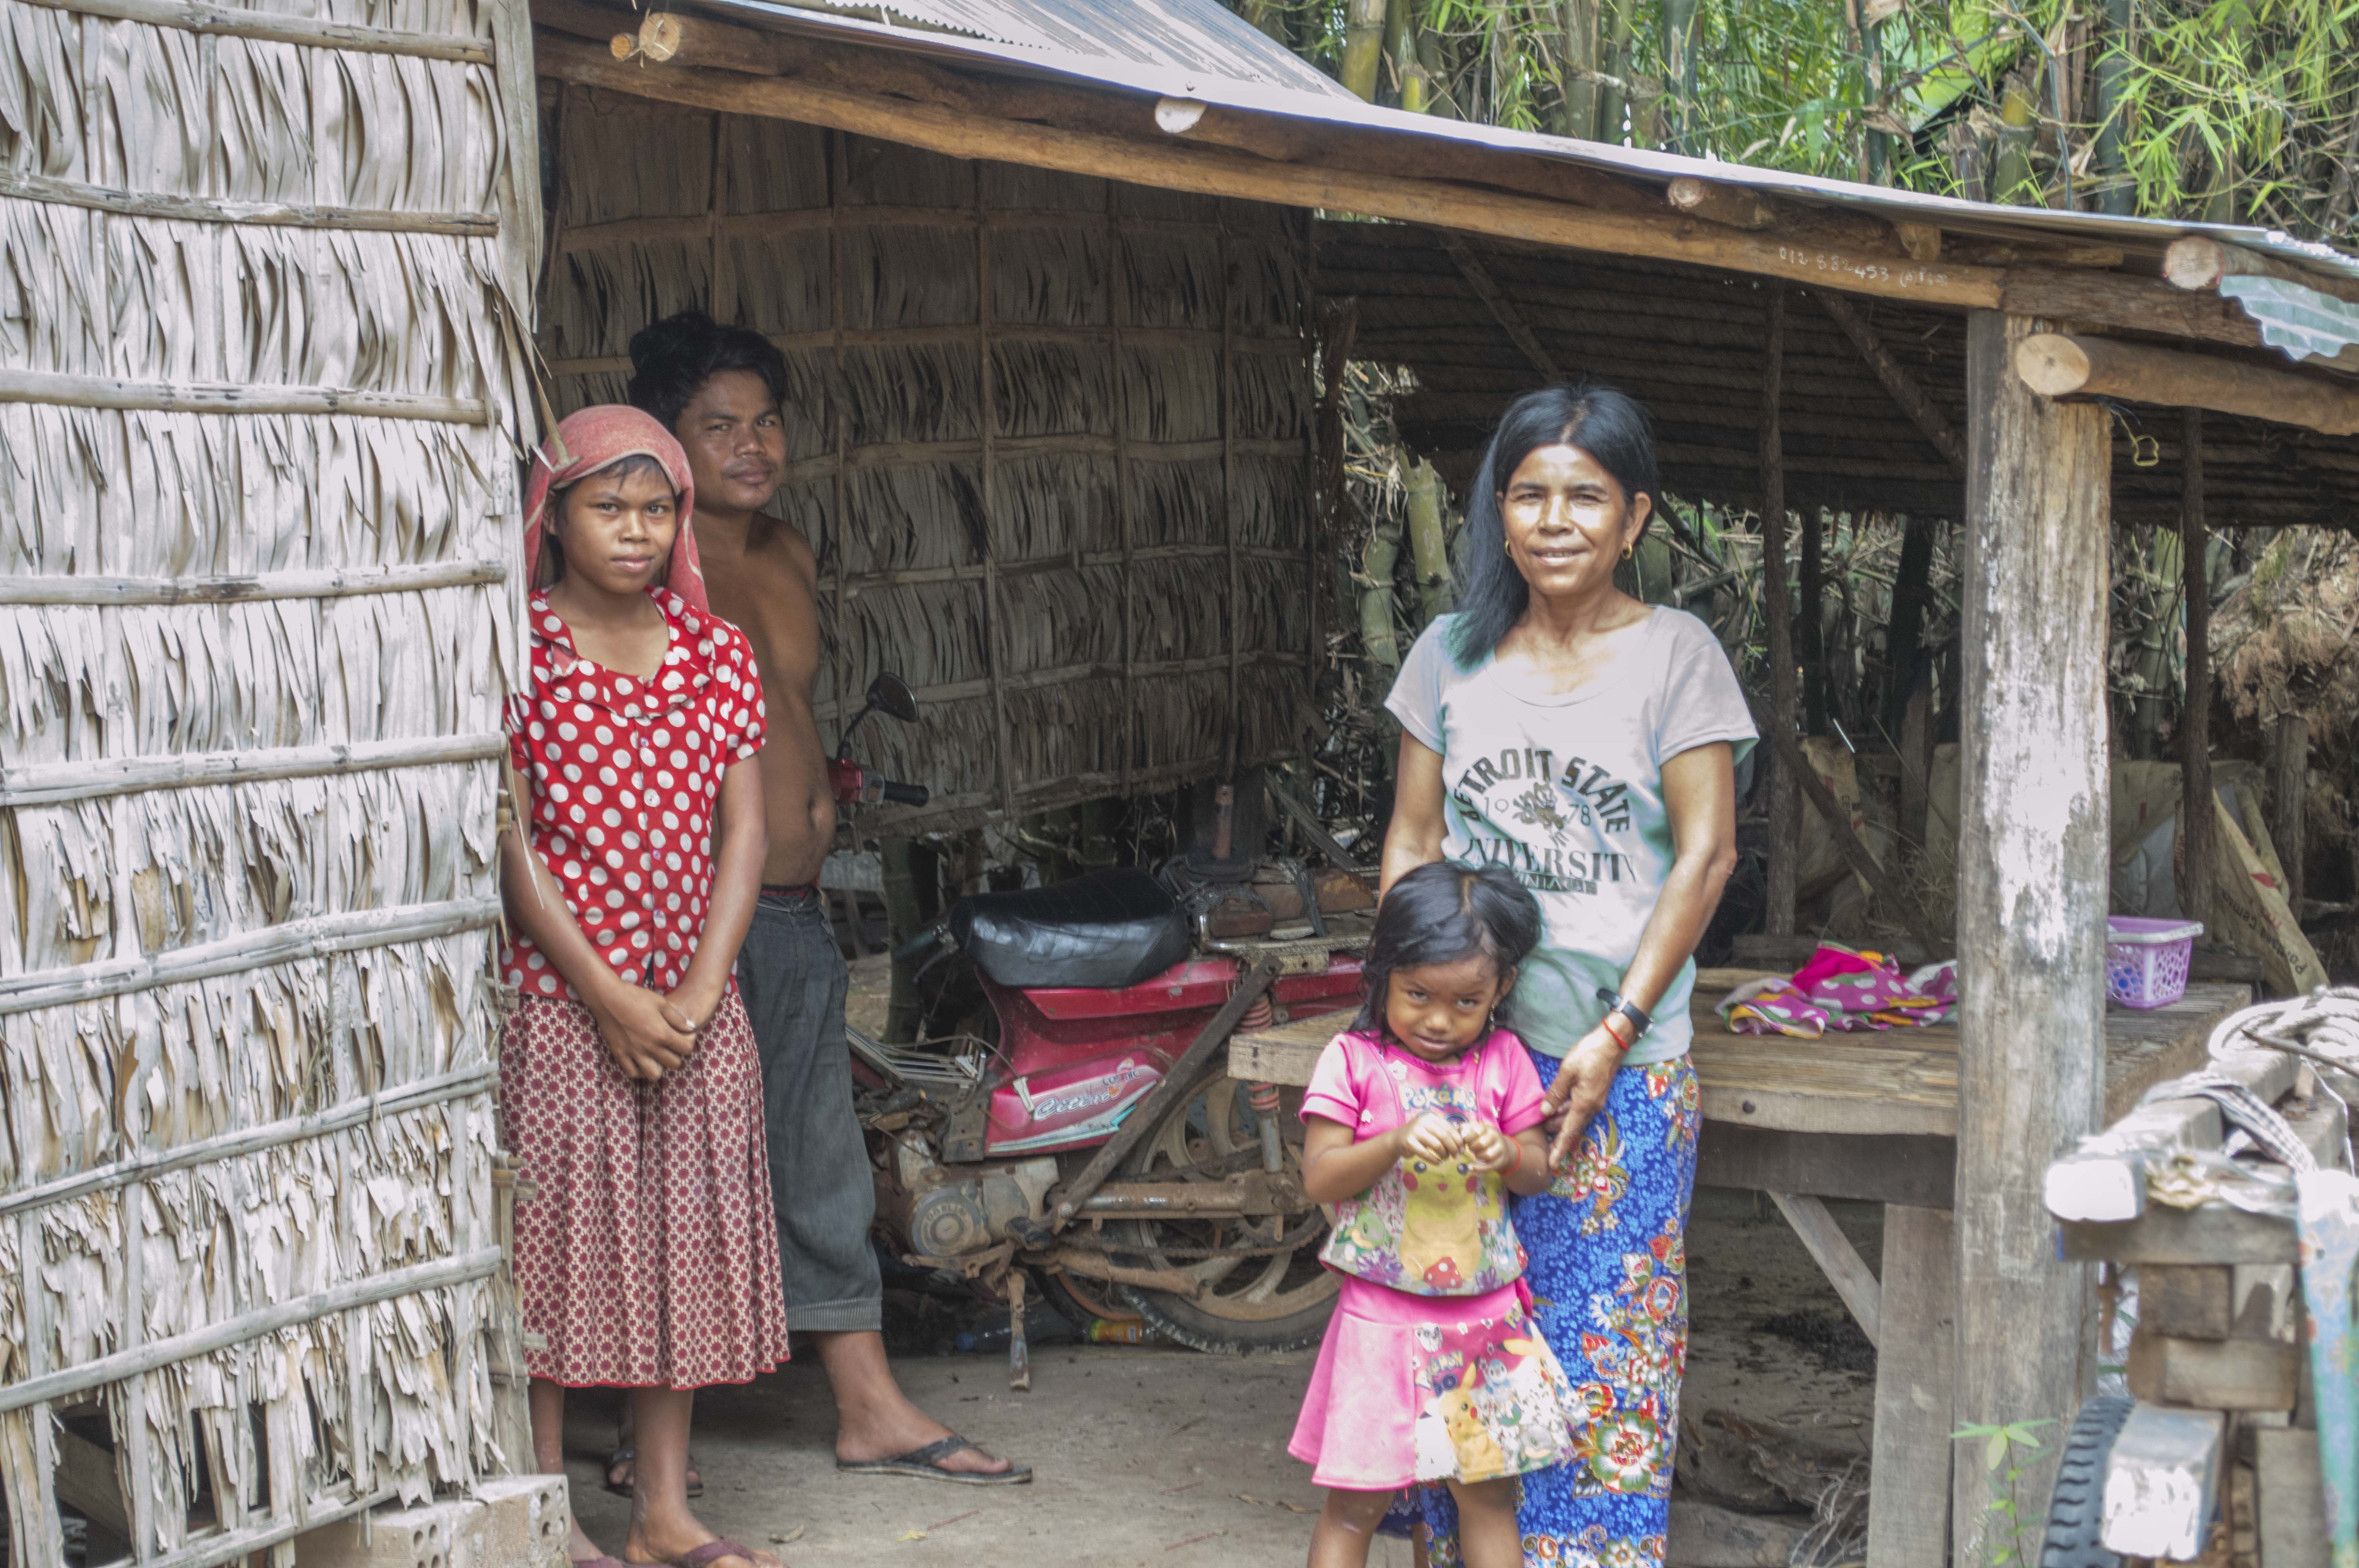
x,y
2076,1511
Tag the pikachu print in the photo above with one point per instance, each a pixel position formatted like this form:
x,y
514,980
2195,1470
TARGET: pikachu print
x,y
1443,1226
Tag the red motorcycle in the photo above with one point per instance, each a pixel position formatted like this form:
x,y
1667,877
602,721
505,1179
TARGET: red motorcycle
x,y
1085,1121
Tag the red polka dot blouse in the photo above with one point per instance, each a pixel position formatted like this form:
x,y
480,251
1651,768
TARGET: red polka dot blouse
x,y
624,771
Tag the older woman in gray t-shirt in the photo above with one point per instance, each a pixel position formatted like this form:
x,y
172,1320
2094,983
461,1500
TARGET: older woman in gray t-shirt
x,y
1588,742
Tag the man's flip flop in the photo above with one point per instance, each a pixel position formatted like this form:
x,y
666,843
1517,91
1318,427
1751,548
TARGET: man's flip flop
x,y
630,1456
927,1462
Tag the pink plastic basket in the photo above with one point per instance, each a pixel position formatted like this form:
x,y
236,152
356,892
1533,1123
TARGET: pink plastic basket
x,y
2146,960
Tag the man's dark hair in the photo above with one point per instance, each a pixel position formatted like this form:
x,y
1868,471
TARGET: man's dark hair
x,y
1439,913
1610,426
672,360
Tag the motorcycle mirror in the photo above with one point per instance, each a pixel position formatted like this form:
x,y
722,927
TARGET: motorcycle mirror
x,y
891,693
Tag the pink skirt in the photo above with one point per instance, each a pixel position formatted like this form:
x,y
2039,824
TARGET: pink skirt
x,y
648,1257
1423,1389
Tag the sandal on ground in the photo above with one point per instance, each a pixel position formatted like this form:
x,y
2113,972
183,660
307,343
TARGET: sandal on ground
x,y
627,1456
711,1551
927,1462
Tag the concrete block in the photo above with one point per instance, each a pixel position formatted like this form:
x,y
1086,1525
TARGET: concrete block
x,y
528,1520
511,1521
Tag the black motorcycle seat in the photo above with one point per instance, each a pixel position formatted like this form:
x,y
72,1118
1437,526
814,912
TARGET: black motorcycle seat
x,y
1104,931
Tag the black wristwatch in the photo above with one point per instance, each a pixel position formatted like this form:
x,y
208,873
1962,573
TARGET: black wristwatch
x,y
1640,1019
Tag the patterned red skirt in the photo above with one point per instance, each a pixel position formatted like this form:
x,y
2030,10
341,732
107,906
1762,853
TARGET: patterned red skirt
x,y
648,1257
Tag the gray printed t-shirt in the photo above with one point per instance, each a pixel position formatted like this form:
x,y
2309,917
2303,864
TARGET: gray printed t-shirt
x,y
1566,791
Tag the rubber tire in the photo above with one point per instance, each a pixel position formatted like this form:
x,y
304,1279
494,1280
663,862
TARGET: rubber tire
x,y
1182,1322
2076,1510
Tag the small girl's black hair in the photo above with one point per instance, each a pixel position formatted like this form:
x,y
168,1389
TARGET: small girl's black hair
x,y
1439,913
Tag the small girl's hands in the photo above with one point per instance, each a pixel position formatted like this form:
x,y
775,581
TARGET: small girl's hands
x,y
1430,1137
1487,1149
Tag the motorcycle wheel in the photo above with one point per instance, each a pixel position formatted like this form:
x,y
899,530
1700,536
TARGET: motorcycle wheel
x,y
1280,1302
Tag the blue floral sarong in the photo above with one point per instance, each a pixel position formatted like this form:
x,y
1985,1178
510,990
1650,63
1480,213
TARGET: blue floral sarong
x,y
1607,1244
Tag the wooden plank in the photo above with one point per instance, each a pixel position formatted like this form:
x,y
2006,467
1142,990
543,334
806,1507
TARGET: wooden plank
x,y
2032,893
2221,1375
1908,1508
1836,1258
2291,1500
2215,1233
1898,1083
1503,309
2185,1301
1914,1170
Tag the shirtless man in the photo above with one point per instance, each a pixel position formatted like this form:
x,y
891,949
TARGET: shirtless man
x,y
721,389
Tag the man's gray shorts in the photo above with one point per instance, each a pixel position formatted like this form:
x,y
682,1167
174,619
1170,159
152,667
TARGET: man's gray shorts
x,y
792,977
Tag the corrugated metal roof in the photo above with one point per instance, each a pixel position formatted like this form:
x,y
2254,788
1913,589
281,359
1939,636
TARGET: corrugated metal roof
x,y
1199,49
1197,40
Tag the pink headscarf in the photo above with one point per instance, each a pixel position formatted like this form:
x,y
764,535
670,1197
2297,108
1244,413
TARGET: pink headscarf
x,y
599,437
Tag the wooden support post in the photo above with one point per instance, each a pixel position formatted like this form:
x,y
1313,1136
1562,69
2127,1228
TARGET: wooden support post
x,y
1784,790
2032,895
2195,819
1909,1512
1813,650
2288,785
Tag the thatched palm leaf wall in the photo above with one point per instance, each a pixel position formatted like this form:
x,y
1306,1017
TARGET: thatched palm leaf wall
x,y
1049,434
258,497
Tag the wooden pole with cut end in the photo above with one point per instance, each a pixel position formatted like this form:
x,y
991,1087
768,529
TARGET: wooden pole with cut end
x,y
2056,366
2288,790
2032,895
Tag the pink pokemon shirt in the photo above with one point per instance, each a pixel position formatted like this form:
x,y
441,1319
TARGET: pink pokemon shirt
x,y
1426,1228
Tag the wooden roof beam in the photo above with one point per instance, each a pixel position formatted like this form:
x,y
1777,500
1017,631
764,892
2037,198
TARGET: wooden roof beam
x,y
2198,265
1087,133
1478,277
1921,409
2057,366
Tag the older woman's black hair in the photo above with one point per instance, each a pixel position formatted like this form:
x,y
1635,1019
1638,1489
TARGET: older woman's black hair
x,y
1609,426
672,360
1439,913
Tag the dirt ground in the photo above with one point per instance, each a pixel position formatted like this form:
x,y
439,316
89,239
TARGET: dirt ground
x,y
1166,1457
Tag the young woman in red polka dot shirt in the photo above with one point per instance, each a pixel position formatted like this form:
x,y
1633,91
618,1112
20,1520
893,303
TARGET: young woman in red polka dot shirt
x,y
628,1080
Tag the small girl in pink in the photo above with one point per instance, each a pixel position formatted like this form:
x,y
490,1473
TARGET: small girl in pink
x,y
1414,1120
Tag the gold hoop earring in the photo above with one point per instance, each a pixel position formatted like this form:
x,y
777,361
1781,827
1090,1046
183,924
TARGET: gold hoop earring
x,y
1629,550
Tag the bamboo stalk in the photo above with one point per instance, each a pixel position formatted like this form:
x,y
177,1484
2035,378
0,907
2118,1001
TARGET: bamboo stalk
x,y
1377,633
230,397
282,944
258,214
409,1096
1421,492
51,784
248,1325
340,583
277,27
